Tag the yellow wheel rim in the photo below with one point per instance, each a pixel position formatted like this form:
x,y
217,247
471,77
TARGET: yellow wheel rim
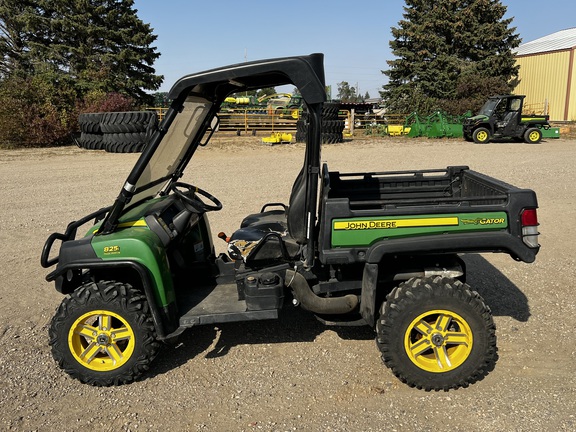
x,y
481,136
533,136
101,340
438,341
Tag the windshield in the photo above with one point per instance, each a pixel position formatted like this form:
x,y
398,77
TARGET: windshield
x,y
488,107
173,147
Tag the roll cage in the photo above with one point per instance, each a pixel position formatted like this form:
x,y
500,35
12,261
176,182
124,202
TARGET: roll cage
x,y
306,73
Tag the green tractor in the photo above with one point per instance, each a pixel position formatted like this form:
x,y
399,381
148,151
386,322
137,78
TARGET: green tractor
x,y
500,118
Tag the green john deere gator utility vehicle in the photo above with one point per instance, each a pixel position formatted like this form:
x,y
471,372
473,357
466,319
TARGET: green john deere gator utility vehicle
x,y
380,249
501,117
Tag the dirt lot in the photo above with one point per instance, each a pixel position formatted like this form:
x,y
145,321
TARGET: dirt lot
x,y
292,374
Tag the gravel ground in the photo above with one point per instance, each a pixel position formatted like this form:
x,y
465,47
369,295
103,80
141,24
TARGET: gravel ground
x,y
292,374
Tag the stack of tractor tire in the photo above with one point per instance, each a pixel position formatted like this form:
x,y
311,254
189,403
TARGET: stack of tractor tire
x,y
117,132
332,126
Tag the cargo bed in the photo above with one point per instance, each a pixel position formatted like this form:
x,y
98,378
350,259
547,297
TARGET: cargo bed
x,y
461,209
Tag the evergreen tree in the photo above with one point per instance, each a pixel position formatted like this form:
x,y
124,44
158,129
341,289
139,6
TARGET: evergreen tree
x,y
450,53
16,19
160,99
96,44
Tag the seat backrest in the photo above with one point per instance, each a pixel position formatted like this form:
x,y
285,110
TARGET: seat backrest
x,y
511,121
510,117
302,204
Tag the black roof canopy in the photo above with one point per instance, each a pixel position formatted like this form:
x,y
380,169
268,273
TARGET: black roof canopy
x,y
304,72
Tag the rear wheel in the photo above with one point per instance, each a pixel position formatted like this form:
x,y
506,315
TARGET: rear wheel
x,y
103,334
481,135
533,136
436,334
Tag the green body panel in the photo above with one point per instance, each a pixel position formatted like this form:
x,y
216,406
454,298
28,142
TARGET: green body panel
x,y
440,129
453,130
132,216
133,241
140,245
436,130
478,118
140,210
533,120
552,132
416,130
363,232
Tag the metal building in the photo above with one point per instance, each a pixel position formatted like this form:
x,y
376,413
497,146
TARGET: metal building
x,y
548,74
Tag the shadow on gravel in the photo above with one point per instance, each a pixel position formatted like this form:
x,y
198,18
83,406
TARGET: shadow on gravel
x,y
500,294
518,141
293,325
297,325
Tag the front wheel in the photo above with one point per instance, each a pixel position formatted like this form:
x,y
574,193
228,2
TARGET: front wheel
x,y
436,334
481,135
103,334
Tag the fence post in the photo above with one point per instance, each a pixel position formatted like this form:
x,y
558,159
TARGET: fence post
x,y
351,121
245,120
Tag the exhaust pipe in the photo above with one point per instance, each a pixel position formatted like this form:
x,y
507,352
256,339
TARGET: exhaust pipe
x,y
313,303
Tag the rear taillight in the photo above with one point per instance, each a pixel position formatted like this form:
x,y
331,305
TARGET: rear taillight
x,y
530,227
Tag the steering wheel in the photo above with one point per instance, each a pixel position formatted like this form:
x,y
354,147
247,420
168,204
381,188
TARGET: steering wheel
x,y
189,194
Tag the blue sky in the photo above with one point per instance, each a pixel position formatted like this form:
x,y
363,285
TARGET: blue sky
x,y
199,35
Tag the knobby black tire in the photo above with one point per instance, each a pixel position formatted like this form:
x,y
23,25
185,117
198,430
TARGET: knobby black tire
x,y
133,142
331,138
91,141
331,131
418,296
533,136
480,132
330,110
90,123
128,122
331,127
115,297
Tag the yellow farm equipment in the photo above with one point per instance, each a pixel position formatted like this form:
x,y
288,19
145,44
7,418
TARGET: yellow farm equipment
x,y
278,138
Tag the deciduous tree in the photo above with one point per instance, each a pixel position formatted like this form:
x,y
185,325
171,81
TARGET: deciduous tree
x,y
72,50
346,93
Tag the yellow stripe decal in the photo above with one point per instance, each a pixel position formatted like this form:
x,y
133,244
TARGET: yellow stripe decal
x,y
136,223
395,223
